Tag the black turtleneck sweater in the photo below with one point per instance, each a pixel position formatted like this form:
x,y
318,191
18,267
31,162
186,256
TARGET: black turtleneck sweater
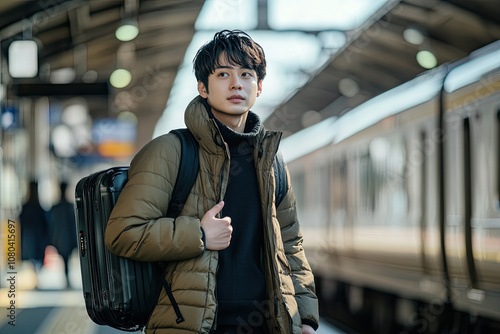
x,y
241,287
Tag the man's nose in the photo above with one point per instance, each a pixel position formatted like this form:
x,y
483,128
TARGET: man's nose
x,y
236,84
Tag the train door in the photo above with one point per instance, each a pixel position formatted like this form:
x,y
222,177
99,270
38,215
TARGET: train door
x,y
457,173
483,228
472,188
428,171
338,203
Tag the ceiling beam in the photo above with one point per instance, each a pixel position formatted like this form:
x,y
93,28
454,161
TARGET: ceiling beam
x,y
73,89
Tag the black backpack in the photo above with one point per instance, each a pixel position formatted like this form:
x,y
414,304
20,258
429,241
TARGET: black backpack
x,y
120,292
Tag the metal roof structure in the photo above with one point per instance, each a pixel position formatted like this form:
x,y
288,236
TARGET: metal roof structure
x,y
376,56
80,34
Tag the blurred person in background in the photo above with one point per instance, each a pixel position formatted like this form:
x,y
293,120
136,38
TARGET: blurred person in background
x,y
62,228
34,229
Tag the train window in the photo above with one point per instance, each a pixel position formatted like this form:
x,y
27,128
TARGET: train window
x,y
337,183
324,187
397,182
352,183
353,189
298,184
388,157
343,180
498,160
318,194
366,196
379,152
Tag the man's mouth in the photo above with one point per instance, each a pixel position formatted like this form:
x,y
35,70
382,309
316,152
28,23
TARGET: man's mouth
x,y
235,98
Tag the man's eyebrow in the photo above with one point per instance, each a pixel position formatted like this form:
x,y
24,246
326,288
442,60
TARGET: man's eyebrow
x,y
230,67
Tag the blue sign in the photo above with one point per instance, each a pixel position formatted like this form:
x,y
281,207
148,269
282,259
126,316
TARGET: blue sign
x,y
9,117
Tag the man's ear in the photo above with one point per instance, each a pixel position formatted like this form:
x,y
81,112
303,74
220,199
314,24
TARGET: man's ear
x,y
259,88
202,90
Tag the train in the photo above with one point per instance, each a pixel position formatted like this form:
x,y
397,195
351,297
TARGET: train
x,y
399,203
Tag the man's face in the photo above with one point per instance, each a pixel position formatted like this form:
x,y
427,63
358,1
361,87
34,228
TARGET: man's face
x,y
232,89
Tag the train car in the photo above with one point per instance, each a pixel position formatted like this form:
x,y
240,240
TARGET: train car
x,y
399,201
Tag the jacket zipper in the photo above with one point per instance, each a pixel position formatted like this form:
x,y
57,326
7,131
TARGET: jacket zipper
x,y
219,215
214,325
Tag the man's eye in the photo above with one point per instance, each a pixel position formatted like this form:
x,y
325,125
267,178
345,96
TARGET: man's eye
x,y
247,74
223,74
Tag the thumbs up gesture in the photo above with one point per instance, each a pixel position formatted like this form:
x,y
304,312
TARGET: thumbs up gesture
x,y
217,231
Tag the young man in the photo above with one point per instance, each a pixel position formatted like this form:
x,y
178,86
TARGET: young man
x,y
245,272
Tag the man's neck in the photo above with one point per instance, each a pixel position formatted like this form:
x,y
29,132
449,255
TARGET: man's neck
x,y
234,122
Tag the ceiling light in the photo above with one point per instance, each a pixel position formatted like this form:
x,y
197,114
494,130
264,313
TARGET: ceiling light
x,y
348,87
426,59
127,116
413,36
90,76
310,117
23,59
63,76
120,78
127,31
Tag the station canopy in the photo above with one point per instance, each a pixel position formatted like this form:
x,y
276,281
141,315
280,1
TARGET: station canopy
x,y
382,54
78,51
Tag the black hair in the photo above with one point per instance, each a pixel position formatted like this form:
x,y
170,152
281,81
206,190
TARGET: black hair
x,y
238,49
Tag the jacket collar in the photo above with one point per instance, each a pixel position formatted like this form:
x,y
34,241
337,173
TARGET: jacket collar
x,y
207,130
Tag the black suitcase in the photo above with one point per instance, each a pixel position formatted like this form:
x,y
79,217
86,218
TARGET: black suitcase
x,y
120,292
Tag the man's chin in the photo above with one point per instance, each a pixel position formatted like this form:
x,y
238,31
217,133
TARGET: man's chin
x,y
230,111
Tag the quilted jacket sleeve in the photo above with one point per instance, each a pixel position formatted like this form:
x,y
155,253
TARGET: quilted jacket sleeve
x,y
138,227
302,276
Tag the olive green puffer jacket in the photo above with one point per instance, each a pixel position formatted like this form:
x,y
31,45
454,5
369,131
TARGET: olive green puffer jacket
x,y
138,229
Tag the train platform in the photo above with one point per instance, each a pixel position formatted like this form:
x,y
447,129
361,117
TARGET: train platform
x,y
44,304
54,312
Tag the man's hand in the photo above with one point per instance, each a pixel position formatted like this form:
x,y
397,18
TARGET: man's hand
x,y
217,231
306,329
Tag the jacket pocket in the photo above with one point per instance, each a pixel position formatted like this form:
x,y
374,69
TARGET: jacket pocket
x,y
292,315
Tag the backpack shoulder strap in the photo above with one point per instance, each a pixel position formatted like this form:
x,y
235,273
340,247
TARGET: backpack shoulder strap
x,y
188,170
186,177
280,178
